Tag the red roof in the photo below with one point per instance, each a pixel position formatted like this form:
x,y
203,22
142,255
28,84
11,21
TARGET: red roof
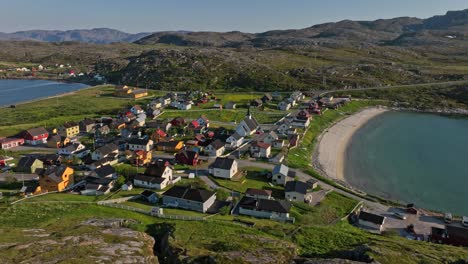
x,y
195,123
161,133
211,134
261,144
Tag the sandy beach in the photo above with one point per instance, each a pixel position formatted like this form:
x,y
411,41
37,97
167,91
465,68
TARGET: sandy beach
x,y
329,154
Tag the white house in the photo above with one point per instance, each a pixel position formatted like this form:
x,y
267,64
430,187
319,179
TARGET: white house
x,y
215,149
265,208
105,151
269,137
297,191
184,106
248,126
140,144
260,150
372,221
234,141
150,182
136,110
258,194
189,198
284,106
281,174
127,186
224,168
71,149
283,128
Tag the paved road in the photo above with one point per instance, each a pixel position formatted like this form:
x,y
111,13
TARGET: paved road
x,y
422,223
18,176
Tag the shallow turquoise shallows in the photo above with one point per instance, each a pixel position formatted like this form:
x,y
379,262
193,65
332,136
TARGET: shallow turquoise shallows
x,y
17,91
413,158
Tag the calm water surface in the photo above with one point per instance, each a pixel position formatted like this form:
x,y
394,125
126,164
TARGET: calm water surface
x,y
16,91
412,157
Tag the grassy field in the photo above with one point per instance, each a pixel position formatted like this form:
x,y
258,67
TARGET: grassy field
x,y
92,102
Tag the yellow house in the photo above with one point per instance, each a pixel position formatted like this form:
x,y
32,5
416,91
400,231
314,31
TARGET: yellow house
x,y
69,129
55,178
129,92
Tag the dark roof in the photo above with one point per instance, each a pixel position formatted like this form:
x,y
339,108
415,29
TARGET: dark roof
x,y
155,169
251,122
69,124
106,149
56,138
296,186
54,172
26,162
138,141
278,206
236,136
251,191
99,181
105,171
37,131
217,144
223,163
150,179
188,193
457,231
87,122
189,154
147,193
370,217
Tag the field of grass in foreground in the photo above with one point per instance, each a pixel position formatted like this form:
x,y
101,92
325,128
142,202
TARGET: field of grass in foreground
x,y
221,237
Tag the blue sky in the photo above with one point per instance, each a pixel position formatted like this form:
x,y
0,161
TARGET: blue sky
x,y
207,15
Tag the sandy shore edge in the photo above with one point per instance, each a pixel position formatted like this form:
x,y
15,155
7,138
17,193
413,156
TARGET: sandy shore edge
x,y
329,154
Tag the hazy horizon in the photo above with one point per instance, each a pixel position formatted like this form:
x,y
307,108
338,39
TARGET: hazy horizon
x,y
207,15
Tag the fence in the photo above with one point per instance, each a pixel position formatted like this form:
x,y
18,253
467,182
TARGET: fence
x,y
150,213
118,200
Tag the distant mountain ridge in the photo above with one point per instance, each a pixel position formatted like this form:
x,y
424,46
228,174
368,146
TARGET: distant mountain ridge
x,y
95,35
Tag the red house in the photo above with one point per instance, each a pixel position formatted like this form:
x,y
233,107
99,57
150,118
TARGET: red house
x,y
303,114
187,157
36,136
8,143
178,122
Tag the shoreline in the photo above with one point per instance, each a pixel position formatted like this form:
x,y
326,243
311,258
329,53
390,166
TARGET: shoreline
x,y
330,151
46,97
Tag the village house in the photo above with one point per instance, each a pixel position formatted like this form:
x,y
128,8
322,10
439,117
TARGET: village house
x,y
29,164
86,125
223,168
102,130
215,149
140,144
140,121
256,103
129,92
188,198
57,141
230,105
302,119
297,191
141,157
69,129
267,98
265,208
36,136
149,196
203,121
136,110
178,122
277,159
371,221
30,189
155,104
55,178
158,176
106,171
260,150
452,234
248,126
105,151
234,141
187,157
128,186
283,128
284,106
9,143
269,137
281,174
196,127
71,149
170,146
258,194
97,186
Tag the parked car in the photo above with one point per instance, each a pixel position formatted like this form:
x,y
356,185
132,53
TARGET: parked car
x,y
412,210
448,218
465,221
400,215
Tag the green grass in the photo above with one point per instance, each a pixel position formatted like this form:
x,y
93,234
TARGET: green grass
x,y
63,197
92,102
253,179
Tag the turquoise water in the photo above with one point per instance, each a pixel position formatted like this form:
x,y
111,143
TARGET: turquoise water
x,y
16,91
414,158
